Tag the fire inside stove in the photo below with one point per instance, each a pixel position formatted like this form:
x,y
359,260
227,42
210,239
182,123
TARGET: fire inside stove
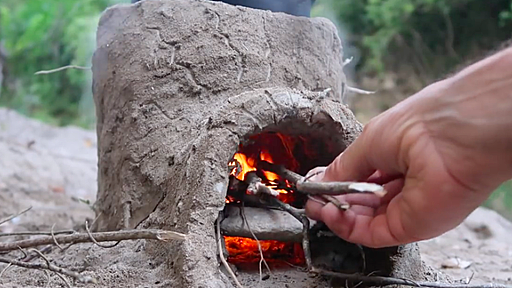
x,y
275,148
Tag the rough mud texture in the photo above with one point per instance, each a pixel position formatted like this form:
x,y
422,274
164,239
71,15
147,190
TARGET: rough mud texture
x,y
162,69
50,168
178,85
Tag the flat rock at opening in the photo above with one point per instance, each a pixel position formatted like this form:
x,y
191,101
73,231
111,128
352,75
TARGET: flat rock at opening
x,y
266,224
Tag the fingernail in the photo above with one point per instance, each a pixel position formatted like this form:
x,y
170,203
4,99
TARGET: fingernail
x,y
315,174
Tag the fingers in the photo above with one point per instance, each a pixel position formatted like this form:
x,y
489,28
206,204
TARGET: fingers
x,y
365,222
375,156
362,228
357,202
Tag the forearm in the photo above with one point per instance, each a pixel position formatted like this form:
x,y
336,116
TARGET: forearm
x,y
474,110
482,96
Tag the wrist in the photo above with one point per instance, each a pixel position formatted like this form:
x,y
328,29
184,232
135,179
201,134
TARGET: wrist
x,y
470,117
497,67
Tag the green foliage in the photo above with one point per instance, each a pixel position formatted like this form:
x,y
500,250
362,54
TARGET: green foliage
x,y
436,34
42,35
430,36
501,200
506,16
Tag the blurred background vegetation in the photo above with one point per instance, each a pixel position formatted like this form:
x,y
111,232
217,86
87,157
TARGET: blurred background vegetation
x,y
398,47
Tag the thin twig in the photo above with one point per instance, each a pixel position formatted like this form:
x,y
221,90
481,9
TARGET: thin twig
x,y
5,269
94,240
48,278
359,91
221,255
25,255
61,68
55,240
31,233
336,202
262,259
297,214
339,188
15,215
134,234
58,274
45,249
319,201
48,266
96,219
385,281
347,61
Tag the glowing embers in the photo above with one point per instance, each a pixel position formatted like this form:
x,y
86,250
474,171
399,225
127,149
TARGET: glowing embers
x,y
275,148
244,252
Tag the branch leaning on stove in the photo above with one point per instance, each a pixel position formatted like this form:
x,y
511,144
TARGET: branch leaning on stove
x,y
292,7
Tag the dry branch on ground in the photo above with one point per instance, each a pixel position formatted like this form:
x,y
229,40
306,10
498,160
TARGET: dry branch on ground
x,y
161,235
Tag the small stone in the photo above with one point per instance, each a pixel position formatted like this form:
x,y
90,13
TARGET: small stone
x,y
455,263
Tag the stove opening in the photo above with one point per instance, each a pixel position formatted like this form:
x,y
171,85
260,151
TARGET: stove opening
x,y
278,233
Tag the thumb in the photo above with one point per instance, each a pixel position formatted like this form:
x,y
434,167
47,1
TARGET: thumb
x,y
352,164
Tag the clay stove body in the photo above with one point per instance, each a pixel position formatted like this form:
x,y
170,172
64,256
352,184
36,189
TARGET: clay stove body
x,y
178,86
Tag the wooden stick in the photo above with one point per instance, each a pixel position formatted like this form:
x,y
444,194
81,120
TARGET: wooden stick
x,y
339,188
47,266
161,235
261,188
14,216
42,72
31,233
251,179
322,188
297,213
336,202
262,258
221,255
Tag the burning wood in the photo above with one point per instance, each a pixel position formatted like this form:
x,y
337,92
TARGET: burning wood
x,y
255,184
275,185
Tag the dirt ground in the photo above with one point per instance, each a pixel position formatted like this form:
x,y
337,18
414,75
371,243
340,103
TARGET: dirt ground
x,y
51,169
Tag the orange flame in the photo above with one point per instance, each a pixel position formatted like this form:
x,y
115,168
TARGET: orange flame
x,y
265,156
245,167
245,251
241,165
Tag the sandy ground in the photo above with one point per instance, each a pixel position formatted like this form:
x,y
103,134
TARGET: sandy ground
x,y
53,170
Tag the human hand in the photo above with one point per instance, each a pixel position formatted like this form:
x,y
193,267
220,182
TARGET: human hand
x,y
440,153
